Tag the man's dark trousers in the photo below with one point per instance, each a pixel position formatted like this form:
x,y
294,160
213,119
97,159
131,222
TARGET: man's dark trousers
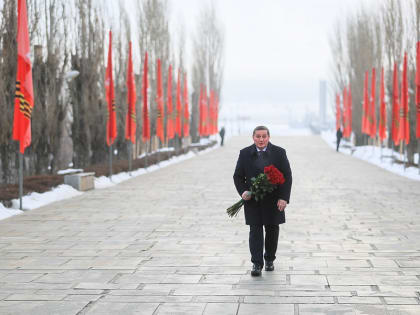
x,y
256,243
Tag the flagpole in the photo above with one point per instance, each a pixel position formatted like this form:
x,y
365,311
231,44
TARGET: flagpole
x,y
380,142
145,157
110,162
392,152
20,180
158,153
402,152
130,156
418,160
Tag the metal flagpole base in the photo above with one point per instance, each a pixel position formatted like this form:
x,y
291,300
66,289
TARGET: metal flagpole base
x,y
20,180
392,153
145,157
110,162
418,159
404,156
130,156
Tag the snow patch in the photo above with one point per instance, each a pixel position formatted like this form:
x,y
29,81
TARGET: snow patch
x,y
372,154
36,200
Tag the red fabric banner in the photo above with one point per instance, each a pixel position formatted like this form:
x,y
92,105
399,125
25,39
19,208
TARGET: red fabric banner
x,y
372,109
24,95
348,112
365,120
170,132
418,90
382,109
146,122
345,112
178,129
186,109
404,128
160,133
111,126
211,113
206,118
216,104
201,109
395,107
130,120
337,112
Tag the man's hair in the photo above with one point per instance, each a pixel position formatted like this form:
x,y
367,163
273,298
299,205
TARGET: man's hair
x,y
261,128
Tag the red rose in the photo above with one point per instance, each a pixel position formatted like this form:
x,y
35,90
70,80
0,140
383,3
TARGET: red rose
x,y
274,176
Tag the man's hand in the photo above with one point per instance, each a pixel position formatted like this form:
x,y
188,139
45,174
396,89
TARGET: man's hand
x,y
246,195
281,204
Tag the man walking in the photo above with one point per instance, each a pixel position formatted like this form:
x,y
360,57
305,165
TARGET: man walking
x,y
268,212
339,135
222,135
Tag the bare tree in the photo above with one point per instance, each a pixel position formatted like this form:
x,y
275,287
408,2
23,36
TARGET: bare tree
x,y
87,96
356,48
208,59
393,28
154,37
8,55
48,76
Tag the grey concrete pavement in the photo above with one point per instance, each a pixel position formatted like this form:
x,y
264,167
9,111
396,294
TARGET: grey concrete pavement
x,y
161,243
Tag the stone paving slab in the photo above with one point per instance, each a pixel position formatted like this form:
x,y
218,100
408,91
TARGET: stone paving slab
x,y
161,243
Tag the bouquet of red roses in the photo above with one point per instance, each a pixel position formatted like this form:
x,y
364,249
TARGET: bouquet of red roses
x,y
261,185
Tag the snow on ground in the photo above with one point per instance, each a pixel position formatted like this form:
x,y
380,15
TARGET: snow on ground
x,y
69,171
373,155
36,200
6,212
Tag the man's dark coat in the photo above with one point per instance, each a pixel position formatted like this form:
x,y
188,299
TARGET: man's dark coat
x,y
264,211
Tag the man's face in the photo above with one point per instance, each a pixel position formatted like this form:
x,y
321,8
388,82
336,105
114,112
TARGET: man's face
x,y
261,138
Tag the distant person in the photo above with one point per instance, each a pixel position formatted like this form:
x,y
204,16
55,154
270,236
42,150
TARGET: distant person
x,y
267,213
339,136
222,135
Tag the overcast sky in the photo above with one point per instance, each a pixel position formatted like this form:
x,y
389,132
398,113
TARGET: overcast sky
x,y
276,51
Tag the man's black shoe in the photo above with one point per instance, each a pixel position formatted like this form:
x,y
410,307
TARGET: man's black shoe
x,y
269,266
256,270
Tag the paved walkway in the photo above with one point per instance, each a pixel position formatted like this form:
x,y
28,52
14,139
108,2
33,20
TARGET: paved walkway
x,y
162,244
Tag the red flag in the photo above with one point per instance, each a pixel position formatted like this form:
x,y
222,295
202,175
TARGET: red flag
x,y
24,95
146,122
130,120
418,90
186,109
395,107
213,112
201,109
170,132
404,131
178,106
382,110
205,113
345,112
365,121
350,111
337,112
210,113
216,100
111,126
372,109
159,101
